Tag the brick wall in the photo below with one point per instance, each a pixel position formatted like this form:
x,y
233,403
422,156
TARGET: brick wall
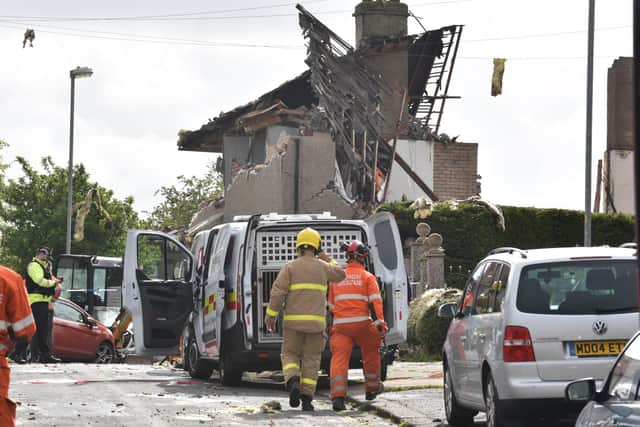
x,y
455,170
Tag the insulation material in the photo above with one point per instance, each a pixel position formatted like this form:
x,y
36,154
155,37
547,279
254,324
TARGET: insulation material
x,y
498,72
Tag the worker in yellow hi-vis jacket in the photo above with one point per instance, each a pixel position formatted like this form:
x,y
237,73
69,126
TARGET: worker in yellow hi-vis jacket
x,y
301,286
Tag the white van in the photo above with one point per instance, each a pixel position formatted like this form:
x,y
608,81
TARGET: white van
x,y
216,296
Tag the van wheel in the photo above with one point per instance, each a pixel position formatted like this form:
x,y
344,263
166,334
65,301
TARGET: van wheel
x,y
383,371
229,375
493,406
198,368
456,414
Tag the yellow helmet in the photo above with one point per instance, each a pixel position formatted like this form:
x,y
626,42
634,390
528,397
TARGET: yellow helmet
x,y
309,237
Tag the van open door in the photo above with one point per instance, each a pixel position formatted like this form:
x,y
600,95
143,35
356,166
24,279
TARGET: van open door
x,y
388,262
214,293
157,290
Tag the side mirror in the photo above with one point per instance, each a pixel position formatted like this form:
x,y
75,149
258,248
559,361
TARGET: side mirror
x,y
90,323
580,390
448,310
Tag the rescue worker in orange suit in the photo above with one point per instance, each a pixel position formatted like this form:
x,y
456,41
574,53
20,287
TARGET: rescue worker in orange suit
x,y
358,318
41,287
301,286
16,325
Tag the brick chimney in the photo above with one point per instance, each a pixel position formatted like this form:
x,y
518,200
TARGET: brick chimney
x,y
386,19
380,19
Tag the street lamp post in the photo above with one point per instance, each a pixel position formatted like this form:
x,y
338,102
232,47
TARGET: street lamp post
x,y
587,180
74,74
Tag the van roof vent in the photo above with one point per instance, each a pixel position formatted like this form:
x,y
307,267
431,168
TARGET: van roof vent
x,y
274,216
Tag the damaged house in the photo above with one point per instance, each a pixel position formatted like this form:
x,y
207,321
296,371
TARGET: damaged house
x,y
360,127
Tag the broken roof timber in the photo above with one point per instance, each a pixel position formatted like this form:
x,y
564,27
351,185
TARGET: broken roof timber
x,y
294,93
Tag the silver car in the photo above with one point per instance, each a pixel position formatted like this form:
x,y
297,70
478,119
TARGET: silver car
x,y
618,403
528,323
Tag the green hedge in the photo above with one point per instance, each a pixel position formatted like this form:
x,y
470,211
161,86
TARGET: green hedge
x,y
470,231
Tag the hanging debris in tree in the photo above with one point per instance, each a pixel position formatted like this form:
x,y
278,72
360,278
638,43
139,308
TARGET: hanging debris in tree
x,y
29,36
91,198
496,80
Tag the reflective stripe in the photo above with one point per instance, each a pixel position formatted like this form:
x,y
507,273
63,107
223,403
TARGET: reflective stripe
x,y
378,322
333,262
350,319
338,388
350,296
374,297
308,286
374,376
23,323
338,378
271,313
304,317
3,347
3,325
308,381
290,366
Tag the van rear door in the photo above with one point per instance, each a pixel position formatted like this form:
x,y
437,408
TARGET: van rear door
x,y
214,292
388,262
157,290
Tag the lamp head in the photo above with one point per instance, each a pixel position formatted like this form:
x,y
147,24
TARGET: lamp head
x,y
80,72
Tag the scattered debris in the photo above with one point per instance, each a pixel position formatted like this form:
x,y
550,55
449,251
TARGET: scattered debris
x,y
271,407
29,36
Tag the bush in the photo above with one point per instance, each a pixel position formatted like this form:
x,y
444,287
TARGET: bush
x,y
470,231
425,330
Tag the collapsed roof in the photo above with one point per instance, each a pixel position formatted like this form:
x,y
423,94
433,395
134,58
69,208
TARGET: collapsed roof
x,y
348,94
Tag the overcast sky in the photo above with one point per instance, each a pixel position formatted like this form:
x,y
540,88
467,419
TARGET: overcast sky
x,y
145,89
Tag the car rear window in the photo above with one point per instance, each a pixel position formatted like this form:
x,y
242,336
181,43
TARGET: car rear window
x,y
579,287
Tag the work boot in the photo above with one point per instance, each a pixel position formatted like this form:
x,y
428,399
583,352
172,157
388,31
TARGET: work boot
x,y
306,402
49,358
370,395
293,385
338,404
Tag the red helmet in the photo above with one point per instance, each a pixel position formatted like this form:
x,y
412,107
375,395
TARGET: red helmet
x,y
355,249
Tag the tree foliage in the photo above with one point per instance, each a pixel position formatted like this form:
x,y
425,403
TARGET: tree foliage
x,y
180,202
3,166
34,208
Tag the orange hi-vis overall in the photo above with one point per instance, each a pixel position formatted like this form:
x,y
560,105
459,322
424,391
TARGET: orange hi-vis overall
x,y
352,323
15,312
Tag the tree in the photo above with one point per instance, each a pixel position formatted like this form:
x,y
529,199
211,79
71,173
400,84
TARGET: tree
x,y
181,202
34,209
3,166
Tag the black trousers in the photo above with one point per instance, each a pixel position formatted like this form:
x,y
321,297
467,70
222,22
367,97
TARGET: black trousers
x,y
40,342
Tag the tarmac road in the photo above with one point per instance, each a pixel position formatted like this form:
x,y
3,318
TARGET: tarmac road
x,y
142,395
75,394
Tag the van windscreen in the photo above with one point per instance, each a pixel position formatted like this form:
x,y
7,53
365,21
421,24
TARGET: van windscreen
x,y
579,287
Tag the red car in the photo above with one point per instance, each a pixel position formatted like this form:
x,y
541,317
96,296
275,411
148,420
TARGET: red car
x,y
79,337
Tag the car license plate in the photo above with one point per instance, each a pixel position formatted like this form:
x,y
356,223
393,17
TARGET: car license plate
x,y
597,348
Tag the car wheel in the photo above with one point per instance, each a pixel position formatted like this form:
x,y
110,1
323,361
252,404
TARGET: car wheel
x,y
493,405
198,368
456,414
229,375
105,353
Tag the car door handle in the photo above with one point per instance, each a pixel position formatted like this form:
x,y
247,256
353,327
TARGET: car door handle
x,y
481,337
463,338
